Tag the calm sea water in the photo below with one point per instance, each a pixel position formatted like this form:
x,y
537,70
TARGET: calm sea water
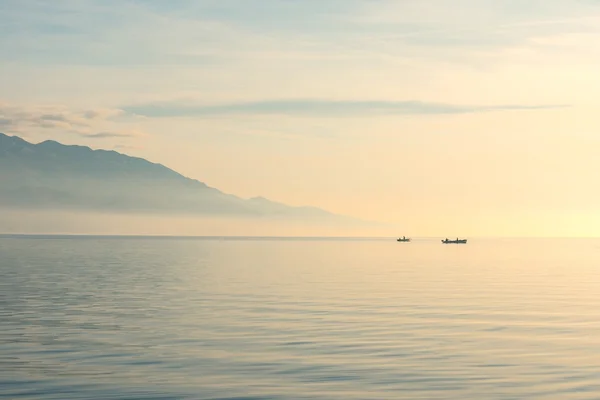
x,y
135,318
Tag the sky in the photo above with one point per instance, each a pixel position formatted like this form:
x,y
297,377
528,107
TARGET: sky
x,y
444,118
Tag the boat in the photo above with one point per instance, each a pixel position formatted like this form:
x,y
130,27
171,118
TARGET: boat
x,y
457,241
403,239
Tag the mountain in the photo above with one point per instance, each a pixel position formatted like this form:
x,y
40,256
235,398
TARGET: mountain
x,y
50,175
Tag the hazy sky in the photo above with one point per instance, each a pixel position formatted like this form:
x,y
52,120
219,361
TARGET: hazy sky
x,y
478,116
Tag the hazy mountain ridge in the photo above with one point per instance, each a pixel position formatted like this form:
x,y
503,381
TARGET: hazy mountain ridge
x,y
50,175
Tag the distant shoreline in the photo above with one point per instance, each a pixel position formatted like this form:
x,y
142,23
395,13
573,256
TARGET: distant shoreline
x,y
260,238
199,237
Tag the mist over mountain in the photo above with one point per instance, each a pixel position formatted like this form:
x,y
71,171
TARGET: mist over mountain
x,y
50,175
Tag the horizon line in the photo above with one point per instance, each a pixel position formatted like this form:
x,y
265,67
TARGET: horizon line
x,y
260,237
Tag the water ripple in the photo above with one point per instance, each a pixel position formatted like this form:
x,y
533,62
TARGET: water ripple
x,y
196,319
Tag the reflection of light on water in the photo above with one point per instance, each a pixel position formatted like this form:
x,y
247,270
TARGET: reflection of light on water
x,y
172,318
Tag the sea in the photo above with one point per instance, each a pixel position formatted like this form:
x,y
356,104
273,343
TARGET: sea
x,y
84,317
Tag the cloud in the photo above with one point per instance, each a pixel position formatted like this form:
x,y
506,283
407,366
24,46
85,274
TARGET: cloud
x,y
234,33
479,23
313,107
102,113
126,147
5,123
115,134
225,35
89,123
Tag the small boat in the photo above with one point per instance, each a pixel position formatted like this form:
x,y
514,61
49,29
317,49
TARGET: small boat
x,y
457,241
403,239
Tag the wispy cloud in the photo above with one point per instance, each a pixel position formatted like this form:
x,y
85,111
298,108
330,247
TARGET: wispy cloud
x,y
128,133
102,113
130,33
88,123
475,23
126,147
312,107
